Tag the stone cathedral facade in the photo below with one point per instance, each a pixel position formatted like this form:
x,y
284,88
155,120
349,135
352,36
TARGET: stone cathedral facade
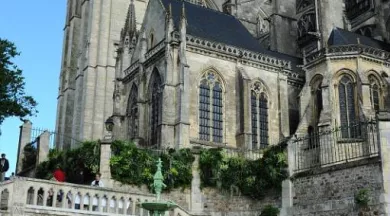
x,y
241,74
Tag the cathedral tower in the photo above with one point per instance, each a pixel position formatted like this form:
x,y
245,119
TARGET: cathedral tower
x,y
91,38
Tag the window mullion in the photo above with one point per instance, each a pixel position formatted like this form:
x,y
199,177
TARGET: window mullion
x,y
258,122
210,125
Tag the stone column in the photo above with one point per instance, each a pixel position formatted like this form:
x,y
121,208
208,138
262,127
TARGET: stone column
x,y
24,138
104,167
43,146
383,119
287,185
196,203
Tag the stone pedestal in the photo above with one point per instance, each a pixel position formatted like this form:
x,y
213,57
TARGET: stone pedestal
x,y
43,146
104,168
196,206
24,138
383,119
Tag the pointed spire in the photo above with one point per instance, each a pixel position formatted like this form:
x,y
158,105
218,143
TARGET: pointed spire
x,y
183,11
130,24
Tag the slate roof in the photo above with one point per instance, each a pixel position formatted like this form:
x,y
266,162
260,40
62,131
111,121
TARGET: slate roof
x,y
216,26
340,37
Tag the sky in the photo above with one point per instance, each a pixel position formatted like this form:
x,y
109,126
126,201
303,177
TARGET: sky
x,y
36,28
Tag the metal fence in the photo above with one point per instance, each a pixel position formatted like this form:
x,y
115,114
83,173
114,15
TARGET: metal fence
x,y
54,137
341,145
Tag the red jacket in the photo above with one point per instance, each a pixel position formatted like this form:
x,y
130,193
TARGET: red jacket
x,y
59,175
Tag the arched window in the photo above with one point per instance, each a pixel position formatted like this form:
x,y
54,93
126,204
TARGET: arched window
x,y
151,40
374,92
348,114
211,108
317,106
155,107
132,113
259,116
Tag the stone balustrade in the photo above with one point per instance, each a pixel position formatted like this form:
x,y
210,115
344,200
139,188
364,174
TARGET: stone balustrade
x,y
26,196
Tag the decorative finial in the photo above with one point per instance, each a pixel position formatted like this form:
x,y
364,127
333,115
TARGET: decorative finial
x,y
183,11
158,178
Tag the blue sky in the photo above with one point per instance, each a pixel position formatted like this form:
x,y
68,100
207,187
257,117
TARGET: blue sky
x,y
36,29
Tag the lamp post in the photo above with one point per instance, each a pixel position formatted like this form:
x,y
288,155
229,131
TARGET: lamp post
x,y
109,123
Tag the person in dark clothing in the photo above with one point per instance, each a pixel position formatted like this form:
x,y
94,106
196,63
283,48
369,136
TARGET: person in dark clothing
x,y
4,166
80,177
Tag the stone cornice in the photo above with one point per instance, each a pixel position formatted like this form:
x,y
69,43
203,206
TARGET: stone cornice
x,y
348,52
229,53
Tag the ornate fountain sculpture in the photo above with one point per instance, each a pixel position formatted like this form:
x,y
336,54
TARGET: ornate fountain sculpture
x,y
158,207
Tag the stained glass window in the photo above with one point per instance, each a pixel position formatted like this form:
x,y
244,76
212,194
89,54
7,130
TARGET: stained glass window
x,y
132,113
259,116
254,120
155,108
374,92
349,127
210,108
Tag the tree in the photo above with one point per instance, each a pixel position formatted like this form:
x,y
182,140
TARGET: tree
x,y
13,101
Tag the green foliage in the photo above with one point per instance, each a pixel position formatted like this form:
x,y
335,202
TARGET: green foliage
x,y
13,101
30,157
362,198
270,210
253,177
86,158
132,165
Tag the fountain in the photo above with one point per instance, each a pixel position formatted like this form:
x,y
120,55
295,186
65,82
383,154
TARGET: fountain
x,y
158,207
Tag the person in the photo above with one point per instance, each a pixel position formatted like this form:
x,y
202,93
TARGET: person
x,y
4,166
80,177
59,175
97,182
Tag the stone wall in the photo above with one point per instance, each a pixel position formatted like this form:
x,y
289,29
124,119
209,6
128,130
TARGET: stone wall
x,y
332,191
214,201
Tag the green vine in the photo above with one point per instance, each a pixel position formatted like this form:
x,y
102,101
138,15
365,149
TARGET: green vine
x,y
252,177
132,165
362,198
30,157
269,210
86,158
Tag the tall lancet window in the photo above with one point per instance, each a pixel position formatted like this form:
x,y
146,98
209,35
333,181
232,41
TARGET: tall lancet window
x,y
132,113
374,92
348,113
317,105
155,107
259,116
211,108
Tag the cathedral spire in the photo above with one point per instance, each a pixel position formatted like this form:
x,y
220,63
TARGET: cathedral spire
x,y
169,27
130,25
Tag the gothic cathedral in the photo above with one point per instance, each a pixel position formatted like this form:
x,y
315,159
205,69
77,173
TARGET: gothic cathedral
x,y
237,73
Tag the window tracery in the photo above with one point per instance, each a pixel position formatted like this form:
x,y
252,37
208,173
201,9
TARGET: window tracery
x,y
347,106
259,116
355,8
262,26
132,113
155,107
306,24
374,92
211,108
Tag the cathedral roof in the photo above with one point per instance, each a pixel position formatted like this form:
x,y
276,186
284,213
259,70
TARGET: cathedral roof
x,y
340,37
219,27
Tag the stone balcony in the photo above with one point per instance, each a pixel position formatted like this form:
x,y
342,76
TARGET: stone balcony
x,y
27,196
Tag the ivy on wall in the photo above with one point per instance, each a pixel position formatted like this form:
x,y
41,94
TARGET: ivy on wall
x,y
85,158
30,157
252,177
132,165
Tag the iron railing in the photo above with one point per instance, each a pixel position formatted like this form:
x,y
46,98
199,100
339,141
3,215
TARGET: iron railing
x,y
54,137
340,145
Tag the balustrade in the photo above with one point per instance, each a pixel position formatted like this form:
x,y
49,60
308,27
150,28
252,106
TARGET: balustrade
x,y
35,195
